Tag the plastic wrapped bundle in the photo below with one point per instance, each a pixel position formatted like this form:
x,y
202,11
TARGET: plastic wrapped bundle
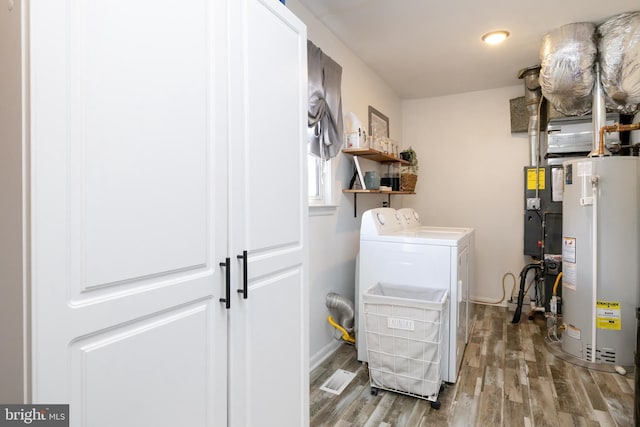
x,y
620,61
567,56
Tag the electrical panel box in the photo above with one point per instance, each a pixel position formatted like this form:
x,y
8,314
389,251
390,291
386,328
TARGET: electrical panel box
x,y
543,210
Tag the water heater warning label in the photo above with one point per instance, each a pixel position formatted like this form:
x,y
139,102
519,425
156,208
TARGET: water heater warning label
x,y
608,315
569,249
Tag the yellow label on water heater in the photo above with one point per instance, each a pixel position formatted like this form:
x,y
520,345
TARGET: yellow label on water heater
x,y
608,315
531,179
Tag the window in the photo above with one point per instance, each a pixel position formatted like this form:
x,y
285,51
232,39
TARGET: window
x,y
325,126
320,193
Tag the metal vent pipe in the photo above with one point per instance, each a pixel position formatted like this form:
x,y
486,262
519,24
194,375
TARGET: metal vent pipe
x,y
344,308
598,114
532,98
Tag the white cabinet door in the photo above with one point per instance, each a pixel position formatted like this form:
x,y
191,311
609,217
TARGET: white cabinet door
x,y
128,212
268,145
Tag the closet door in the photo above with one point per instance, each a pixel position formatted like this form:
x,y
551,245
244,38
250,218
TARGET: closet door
x,y
128,211
268,216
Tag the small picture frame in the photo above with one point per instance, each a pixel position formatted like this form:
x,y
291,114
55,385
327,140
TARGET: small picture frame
x,y
359,171
378,123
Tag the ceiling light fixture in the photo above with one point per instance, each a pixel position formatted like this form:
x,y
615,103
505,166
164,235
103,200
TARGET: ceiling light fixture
x,y
495,37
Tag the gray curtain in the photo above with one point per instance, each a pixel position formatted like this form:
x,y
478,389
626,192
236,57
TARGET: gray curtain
x,y
325,103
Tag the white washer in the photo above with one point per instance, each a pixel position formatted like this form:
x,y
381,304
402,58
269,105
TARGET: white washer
x,y
419,256
410,219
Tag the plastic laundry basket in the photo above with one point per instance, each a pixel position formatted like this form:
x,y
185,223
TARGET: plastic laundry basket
x,y
404,328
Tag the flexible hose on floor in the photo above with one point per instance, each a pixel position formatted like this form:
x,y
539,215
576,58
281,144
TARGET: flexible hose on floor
x,y
343,308
345,335
523,276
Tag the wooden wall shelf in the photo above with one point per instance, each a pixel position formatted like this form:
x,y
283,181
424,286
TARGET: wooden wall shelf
x,y
346,190
380,157
376,155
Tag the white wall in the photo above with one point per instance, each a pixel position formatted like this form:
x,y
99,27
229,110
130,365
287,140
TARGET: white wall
x,y
471,174
334,234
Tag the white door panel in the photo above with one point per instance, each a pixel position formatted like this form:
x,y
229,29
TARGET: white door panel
x,y
274,326
128,375
122,126
268,205
161,140
128,212
273,184
268,95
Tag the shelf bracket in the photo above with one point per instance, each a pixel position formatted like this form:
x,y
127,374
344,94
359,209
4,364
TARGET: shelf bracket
x,y
355,205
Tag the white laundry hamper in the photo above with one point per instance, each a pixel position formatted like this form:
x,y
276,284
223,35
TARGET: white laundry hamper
x,y
405,328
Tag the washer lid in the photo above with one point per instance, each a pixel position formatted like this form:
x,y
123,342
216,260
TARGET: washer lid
x,y
419,236
463,230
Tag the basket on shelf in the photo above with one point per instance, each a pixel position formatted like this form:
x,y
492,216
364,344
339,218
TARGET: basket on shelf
x,y
408,182
409,171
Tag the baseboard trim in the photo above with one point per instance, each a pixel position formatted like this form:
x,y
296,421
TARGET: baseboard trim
x,y
322,355
488,301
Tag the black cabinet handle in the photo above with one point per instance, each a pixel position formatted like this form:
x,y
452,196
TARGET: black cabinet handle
x,y
227,300
244,291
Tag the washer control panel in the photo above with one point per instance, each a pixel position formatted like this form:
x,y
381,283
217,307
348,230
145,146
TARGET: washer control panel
x,y
380,221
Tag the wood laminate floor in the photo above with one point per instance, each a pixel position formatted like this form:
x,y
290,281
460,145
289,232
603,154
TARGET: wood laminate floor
x,y
508,378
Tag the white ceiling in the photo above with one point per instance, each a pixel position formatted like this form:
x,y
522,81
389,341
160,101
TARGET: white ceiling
x,y
425,48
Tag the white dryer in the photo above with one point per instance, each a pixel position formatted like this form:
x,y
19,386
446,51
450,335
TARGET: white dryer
x,y
419,256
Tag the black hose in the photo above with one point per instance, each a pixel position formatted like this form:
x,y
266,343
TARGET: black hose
x,y
523,277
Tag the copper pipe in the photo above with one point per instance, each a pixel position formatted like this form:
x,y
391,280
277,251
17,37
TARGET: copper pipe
x,y
617,127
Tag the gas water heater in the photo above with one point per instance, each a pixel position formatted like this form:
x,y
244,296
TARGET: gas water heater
x,y
601,258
